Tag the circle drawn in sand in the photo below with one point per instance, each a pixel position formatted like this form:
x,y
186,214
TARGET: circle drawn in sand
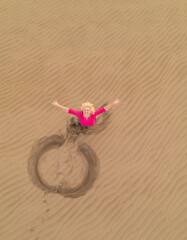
x,y
55,141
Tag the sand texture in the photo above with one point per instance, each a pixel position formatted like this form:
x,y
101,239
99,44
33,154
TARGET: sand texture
x,y
124,178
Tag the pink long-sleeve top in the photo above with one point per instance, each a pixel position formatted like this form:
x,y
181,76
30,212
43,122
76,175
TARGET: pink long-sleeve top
x,y
89,121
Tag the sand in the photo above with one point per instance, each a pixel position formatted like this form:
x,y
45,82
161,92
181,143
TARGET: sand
x,y
126,178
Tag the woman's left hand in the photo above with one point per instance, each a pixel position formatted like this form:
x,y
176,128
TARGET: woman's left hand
x,y
117,101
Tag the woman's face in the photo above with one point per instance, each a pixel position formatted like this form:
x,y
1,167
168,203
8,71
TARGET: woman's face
x,y
87,111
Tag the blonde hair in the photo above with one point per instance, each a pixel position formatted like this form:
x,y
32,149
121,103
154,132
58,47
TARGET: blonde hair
x,y
88,104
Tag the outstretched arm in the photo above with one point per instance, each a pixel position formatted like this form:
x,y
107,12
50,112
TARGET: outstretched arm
x,y
117,101
59,106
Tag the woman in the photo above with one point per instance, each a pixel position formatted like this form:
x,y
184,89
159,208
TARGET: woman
x,y
88,114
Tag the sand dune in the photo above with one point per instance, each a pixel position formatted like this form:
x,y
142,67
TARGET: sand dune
x,y
123,179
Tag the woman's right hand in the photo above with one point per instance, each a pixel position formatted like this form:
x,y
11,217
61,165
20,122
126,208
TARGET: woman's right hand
x,y
55,103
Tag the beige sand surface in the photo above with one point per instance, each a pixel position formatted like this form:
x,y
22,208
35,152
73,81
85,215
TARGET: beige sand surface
x,y
96,51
